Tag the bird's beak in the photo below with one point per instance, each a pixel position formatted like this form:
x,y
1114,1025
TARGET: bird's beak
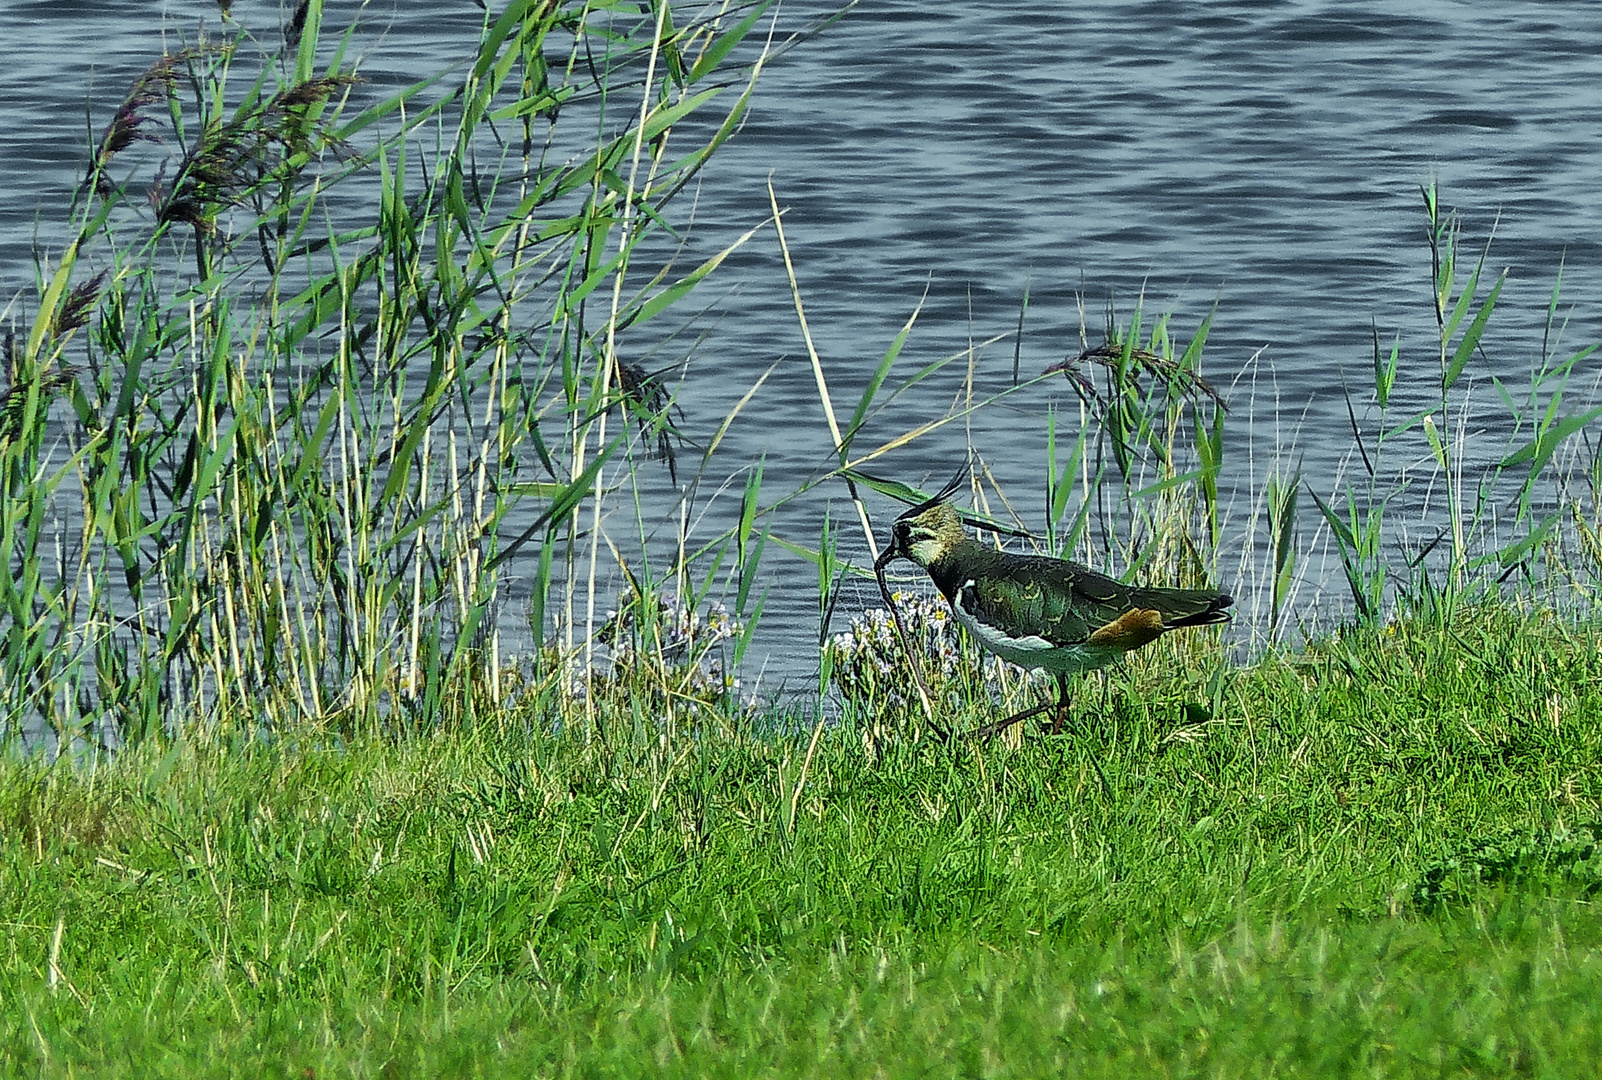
x,y
890,552
879,564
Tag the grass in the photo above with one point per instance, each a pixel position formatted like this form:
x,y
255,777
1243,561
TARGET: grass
x,y
1375,856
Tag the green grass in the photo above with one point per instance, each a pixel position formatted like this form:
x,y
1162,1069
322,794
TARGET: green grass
x,y
1372,857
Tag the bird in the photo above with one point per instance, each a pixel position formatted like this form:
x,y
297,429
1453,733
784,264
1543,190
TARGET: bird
x,y
1037,611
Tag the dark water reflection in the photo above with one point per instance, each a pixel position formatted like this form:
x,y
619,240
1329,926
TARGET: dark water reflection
x,y
1261,157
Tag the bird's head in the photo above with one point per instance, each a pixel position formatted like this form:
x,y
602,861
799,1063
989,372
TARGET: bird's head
x,y
926,533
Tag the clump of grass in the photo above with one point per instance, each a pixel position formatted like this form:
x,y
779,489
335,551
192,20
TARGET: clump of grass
x,y
1566,857
1501,492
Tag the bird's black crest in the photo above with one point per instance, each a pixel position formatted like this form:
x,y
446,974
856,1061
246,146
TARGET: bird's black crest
x,y
968,518
945,493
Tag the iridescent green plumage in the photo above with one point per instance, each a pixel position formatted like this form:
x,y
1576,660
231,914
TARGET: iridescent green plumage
x,y
1057,600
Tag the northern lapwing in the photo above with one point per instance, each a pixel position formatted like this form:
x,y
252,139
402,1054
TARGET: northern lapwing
x,y
1037,611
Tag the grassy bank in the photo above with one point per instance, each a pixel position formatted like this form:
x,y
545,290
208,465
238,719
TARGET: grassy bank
x,y
1373,856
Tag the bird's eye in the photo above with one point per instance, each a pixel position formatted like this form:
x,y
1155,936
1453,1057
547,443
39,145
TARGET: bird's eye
x,y
901,529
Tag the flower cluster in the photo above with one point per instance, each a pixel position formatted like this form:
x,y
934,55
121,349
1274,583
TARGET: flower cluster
x,y
870,666
662,642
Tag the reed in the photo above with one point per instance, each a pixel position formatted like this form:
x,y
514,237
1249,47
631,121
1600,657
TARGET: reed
x,y
338,361
1454,500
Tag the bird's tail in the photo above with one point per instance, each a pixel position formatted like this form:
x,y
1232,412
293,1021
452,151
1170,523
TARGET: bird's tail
x,y
1186,607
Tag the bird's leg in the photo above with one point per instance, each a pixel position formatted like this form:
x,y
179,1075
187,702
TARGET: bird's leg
x,y
996,728
1062,705
1059,717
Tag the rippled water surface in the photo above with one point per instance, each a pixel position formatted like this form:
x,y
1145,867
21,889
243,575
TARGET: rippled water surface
x,y
1262,157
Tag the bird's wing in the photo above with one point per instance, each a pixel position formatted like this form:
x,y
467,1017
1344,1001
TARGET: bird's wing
x,y
1060,602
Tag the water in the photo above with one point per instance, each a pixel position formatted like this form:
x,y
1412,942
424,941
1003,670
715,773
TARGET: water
x,y
1262,157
